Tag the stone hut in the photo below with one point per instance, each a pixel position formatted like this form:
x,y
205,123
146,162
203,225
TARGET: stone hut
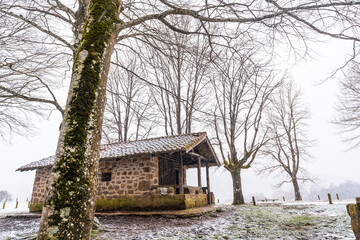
x,y
143,175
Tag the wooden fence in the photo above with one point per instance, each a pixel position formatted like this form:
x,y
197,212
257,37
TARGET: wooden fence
x,y
329,198
6,205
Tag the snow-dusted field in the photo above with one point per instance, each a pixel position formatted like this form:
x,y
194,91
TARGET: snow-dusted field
x,y
290,220
10,208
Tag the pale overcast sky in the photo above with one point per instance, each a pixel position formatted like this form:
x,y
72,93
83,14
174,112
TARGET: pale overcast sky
x,y
330,163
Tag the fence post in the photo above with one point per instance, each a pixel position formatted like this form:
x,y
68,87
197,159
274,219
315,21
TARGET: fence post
x,y
284,199
17,203
337,196
329,197
4,205
319,197
253,200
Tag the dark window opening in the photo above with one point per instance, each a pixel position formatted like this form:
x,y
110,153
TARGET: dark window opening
x,y
106,177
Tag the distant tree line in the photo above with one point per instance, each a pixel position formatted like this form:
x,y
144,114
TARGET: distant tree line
x,y
5,195
346,190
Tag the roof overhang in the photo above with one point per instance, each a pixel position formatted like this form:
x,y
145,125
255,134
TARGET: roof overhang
x,y
194,143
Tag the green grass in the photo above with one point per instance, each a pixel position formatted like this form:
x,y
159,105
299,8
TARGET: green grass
x,y
271,222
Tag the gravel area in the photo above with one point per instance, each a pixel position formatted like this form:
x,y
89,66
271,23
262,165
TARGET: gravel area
x,y
266,221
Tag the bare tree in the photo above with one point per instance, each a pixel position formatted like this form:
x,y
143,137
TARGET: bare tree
x,y
288,147
179,65
28,69
128,107
68,211
348,108
242,89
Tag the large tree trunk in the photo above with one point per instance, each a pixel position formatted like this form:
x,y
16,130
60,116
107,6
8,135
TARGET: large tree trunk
x,y
69,206
237,188
296,189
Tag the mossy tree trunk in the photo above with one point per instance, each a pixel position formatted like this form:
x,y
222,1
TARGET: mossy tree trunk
x,y
69,206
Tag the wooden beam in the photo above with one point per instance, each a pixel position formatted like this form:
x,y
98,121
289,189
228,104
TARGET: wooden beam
x,y
208,184
181,175
192,154
199,172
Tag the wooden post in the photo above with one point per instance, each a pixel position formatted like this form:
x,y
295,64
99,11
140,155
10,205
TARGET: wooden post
x,y
181,175
4,205
337,196
319,197
284,199
184,176
17,204
253,200
208,184
329,197
199,172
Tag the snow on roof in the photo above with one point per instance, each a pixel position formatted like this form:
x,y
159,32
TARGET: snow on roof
x,y
45,162
177,143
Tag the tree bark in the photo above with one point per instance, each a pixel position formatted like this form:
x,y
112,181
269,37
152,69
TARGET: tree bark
x,y
296,189
68,211
237,188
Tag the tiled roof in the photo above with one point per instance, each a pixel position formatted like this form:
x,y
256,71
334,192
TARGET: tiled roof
x,y
45,162
178,143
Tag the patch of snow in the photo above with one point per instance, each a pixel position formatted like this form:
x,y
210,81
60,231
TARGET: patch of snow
x,y
163,190
11,210
345,201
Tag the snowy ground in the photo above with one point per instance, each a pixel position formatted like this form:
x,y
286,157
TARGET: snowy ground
x,y
303,220
10,208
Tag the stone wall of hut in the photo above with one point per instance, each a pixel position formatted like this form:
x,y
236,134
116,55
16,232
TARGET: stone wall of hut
x,y
131,176
40,183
